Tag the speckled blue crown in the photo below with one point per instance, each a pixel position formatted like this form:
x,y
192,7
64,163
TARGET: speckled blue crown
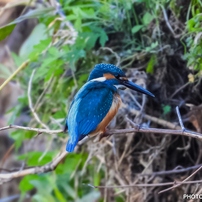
x,y
102,68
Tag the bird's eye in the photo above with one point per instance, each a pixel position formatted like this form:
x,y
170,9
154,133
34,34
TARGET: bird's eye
x,y
117,76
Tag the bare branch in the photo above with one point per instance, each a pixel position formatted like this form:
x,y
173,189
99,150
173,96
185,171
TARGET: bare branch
x,y
137,128
146,185
183,182
36,170
168,24
38,130
161,122
176,170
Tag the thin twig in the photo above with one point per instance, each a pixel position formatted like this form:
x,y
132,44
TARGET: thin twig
x,y
146,185
183,129
168,24
116,55
154,119
38,130
183,182
178,90
179,117
30,102
43,93
166,172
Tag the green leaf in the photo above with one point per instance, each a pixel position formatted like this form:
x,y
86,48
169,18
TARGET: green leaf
x,y
77,23
92,196
18,60
147,18
59,195
43,185
136,28
71,192
34,158
71,17
166,109
33,14
38,34
6,30
15,113
59,115
96,179
74,55
87,40
70,164
58,72
25,185
103,38
42,45
54,51
150,66
5,73
18,136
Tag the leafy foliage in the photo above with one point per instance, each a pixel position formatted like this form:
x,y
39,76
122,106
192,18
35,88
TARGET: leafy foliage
x,y
193,41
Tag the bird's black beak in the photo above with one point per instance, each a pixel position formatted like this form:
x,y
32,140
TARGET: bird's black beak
x,y
133,86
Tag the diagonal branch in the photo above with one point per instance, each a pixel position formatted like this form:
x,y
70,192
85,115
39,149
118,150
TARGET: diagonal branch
x,y
36,170
23,65
183,182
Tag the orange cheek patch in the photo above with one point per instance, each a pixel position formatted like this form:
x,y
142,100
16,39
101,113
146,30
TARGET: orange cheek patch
x,y
109,76
124,78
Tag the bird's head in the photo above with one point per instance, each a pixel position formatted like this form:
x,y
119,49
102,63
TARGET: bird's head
x,y
111,72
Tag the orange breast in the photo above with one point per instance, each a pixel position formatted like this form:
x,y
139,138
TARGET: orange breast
x,y
110,115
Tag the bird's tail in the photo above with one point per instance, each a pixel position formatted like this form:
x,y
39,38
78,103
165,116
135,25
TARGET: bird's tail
x,y
71,145
73,136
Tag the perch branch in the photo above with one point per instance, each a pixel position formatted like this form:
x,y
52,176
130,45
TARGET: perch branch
x,y
137,128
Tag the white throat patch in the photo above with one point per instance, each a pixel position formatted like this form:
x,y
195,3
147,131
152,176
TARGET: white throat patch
x,y
100,79
122,87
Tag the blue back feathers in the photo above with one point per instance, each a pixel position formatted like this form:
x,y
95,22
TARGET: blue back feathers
x,y
90,105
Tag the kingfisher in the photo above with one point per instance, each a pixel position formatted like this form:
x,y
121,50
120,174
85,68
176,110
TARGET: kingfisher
x,y
96,103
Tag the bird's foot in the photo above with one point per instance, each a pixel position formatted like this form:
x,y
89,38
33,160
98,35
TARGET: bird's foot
x,y
105,134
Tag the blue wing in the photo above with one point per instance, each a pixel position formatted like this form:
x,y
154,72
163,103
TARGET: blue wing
x,y
90,106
